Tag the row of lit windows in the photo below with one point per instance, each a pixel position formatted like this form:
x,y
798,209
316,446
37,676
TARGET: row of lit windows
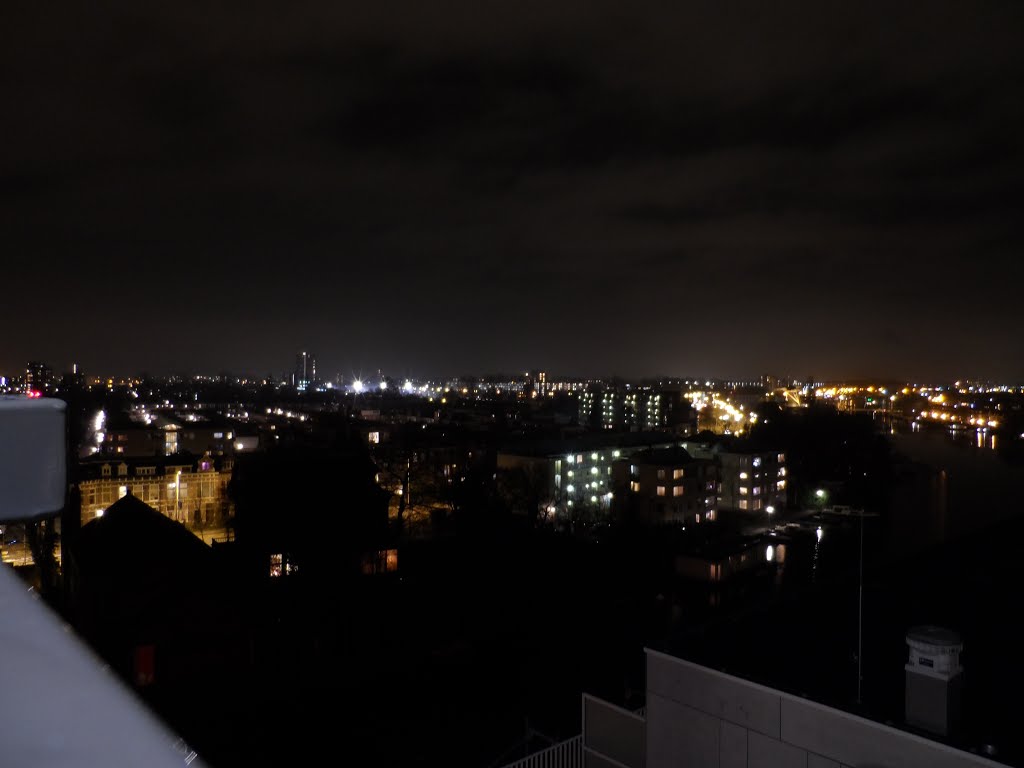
x,y
661,490
744,490
122,469
757,460
578,458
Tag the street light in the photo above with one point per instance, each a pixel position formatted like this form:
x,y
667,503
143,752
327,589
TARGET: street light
x,y
820,497
770,510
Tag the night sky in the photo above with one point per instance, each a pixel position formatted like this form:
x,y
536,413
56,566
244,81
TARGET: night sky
x,y
808,189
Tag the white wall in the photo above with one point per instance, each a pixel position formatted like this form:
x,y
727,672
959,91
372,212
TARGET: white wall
x,y
700,718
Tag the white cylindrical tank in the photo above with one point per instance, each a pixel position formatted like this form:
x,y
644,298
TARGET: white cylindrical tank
x,y
33,457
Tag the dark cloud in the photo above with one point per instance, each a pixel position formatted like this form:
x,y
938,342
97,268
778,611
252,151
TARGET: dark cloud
x,y
714,188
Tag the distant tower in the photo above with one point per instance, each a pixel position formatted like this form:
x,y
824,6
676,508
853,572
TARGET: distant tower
x,y
305,371
934,679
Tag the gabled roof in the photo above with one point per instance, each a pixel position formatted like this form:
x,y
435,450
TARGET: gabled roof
x,y
131,530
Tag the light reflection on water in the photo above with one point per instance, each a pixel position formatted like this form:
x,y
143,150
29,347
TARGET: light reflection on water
x,y
982,437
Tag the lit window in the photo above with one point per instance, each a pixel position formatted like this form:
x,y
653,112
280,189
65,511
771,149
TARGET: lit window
x,y
744,490
633,470
781,485
374,438
275,565
634,487
782,471
782,458
744,475
677,474
661,490
743,504
661,474
218,435
677,491
757,461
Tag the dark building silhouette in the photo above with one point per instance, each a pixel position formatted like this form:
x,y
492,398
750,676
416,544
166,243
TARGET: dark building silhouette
x,y
314,511
148,596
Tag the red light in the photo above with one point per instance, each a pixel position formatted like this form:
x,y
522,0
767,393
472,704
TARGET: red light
x,y
33,393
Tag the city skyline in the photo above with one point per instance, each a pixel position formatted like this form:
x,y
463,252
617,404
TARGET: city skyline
x,y
369,380
822,191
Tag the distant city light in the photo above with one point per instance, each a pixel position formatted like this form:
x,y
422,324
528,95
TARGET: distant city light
x,y
383,385
820,493
357,385
408,386
819,533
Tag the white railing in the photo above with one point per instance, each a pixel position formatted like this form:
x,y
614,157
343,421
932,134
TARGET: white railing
x,y
564,754
571,752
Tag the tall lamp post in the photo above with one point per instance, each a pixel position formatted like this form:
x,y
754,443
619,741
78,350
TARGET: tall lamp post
x,y
860,609
860,600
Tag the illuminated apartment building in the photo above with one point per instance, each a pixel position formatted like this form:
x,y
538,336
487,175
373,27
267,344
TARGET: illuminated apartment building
x,y
634,410
565,476
666,485
185,488
752,481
